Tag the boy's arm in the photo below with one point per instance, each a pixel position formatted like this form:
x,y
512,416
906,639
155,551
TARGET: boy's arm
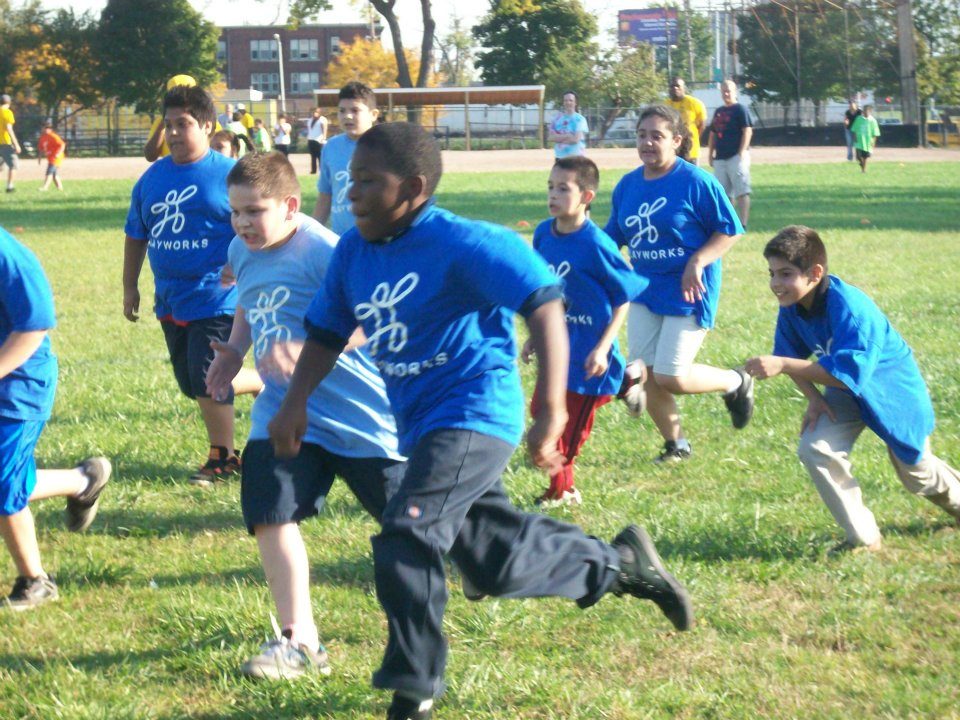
x,y
17,349
597,361
548,335
321,210
134,251
745,139
714,249
711,143
228,357
816,405
151,151
768,366
13,140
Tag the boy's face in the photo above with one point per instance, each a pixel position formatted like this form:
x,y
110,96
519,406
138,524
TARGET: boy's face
x,y
222,147
565,198
187,139
261,222
356,117
379,199
792,285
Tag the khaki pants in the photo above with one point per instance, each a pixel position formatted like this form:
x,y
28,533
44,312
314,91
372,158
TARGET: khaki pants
x,y
825,452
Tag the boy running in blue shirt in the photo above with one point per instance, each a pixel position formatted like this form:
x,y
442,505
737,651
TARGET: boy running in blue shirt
x,y
280,257
435,295
28,381
870,376
180,218
357,110
598,286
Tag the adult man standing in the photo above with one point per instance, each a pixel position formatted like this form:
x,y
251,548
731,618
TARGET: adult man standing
x,y
9,147
226,117
728,149
692,112
852,113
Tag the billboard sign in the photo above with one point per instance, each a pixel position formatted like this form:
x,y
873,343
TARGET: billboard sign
x,y
657,26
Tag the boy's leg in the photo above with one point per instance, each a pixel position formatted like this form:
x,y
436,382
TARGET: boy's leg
x,y
284,559
59,483
20,536
825,452
931,478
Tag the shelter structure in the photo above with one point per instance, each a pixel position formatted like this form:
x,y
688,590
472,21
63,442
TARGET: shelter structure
x,y
456,96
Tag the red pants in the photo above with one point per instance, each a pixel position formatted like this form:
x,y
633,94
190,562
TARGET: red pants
x,y
581,409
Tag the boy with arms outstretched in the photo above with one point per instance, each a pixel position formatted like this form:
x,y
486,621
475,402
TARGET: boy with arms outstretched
x,y
870,376
28,381
598,287
280,257
436,294
180,217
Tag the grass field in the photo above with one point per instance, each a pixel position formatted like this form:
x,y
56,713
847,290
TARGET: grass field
x,y
164,598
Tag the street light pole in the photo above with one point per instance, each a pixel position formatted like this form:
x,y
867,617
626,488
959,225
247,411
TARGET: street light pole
x,y
283,104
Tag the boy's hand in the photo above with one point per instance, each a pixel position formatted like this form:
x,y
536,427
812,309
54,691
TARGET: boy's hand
x,y
542,438
526,352
764,366
692,281
596,363
815,408
287,429
131,304
227,362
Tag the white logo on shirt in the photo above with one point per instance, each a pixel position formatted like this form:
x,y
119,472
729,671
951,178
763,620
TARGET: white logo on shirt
x,y
645,228
265,313
170,207
819,350
342,176
561,270
382,308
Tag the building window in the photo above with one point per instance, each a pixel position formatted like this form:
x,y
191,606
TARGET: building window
x,y
304,49
221,50
334,44
265,82
304,83
263,50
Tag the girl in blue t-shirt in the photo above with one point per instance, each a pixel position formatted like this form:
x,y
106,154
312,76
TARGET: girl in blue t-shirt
x,y
676,222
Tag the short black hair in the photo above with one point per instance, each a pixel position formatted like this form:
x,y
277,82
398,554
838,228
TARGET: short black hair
x,y
798,245
406,150
196,101
587,173
355,90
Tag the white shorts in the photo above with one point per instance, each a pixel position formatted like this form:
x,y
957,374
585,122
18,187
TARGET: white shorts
x,y
734,174
668,343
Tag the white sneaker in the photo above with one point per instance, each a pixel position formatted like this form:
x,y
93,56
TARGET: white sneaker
x,y
568,497
631,389
278,659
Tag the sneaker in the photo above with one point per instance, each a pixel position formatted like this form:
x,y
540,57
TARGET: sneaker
x,y
219,467
568,497
82,508
674,451
470,591
404,708
631,390
279,659
740,402
643,576
28,593
10,189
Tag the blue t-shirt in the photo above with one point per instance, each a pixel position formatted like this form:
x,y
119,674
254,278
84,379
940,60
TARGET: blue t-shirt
x,y
335,180
26,305
437,303
348,414
183,213
565,124
597,280
663,222
853,341
728,124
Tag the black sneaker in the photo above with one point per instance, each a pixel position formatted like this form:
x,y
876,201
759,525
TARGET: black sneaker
x,y
643,576
404,708
220,466
29,593
674,451
740,402
82,508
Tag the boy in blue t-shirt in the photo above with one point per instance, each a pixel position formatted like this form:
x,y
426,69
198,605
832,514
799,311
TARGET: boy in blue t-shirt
x,y
280,257
598,287
28,381
871,380
357,109
435,295
180,218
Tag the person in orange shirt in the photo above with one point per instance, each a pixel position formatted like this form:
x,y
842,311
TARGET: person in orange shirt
x,y
53,146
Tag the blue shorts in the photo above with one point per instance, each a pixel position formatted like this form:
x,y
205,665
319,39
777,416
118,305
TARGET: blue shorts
x,y
18,469
277,492
190,353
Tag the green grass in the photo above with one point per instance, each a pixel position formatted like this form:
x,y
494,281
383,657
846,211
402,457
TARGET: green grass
x,y
164,597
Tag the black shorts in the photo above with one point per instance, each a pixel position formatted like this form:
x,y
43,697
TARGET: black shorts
x,y
862,154
277,492
190,352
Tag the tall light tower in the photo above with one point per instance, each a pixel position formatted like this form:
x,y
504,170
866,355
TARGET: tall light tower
x,y
283,103
908,63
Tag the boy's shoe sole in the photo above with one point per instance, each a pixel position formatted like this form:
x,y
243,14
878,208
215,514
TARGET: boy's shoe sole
x,y
82,509
29,593
740,402
643,575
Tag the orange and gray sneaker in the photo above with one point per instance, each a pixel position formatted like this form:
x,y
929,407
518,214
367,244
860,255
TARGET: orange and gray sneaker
x,y
221,465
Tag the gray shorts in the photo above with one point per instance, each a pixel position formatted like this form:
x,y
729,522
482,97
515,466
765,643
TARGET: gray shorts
x,y
8,156
734,174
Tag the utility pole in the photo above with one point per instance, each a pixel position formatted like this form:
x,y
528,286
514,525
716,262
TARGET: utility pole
x,y
909,97
846,46
689,14
796,44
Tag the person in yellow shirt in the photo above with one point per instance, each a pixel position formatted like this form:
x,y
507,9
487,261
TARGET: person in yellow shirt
x,y
246,118
9,147
692,112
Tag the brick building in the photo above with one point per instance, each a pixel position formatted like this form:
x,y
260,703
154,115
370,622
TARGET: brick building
x,y
249,58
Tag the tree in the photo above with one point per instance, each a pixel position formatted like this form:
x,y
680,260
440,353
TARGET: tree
x,y
367,61
456,56
524,37
159,39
